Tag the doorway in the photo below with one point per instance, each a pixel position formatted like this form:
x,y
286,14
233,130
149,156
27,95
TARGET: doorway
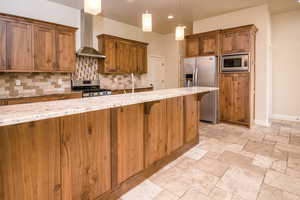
x,y
156,73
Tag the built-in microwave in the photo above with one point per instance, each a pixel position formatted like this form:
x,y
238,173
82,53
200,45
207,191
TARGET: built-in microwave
x,y
235,63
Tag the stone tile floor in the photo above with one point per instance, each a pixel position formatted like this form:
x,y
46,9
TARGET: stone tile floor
x,y
231,163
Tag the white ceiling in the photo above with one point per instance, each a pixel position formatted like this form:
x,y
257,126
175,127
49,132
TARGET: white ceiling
x,y
129,11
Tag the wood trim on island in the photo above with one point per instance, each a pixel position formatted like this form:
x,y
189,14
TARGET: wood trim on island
x,y
95,155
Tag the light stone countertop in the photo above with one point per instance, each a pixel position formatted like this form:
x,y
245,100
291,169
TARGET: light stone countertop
x,y
16,114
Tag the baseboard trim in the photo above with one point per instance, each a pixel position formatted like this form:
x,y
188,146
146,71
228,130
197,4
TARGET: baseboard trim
x,y
262,123
286,117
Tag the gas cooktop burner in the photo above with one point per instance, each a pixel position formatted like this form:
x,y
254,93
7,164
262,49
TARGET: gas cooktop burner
x,y
90,88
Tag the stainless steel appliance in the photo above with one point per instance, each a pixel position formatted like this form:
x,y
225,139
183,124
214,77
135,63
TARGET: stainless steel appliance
x,y
204,72
235,63
89,88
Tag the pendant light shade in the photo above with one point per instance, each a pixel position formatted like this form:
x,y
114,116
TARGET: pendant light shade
x,y
92,6
179,33
147,22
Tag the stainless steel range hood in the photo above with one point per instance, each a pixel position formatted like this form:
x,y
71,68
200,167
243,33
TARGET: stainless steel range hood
x,y
87,49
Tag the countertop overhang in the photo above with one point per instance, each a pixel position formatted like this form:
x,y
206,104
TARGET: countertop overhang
x,y
16,114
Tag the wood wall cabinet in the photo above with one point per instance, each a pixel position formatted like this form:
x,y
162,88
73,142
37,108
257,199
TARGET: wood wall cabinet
x,y
235,97
3,35
202,44
19,47
30,161
238,40
85,155
65,41
130,141
175,123
44,48
28,45
122,56
192,45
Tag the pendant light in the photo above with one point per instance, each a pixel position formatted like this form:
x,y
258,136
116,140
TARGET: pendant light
x,y
92,6
147,22
179,31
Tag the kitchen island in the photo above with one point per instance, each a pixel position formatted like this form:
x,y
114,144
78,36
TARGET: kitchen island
x,y
94,148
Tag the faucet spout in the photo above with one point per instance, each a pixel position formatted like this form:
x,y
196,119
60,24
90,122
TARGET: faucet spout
x,y
132,82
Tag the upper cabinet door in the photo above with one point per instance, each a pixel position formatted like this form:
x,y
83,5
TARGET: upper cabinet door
x,y
65,40
110,53
209,44
44,48
19,46
228,42
142,59
192,46
242,43
3,63
133,65
123,57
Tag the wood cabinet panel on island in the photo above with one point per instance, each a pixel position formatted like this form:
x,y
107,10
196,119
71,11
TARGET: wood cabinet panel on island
x,y
191,117
85,155
30,161
130,141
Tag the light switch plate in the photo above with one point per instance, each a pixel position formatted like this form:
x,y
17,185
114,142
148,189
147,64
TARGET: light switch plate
x,y
18,82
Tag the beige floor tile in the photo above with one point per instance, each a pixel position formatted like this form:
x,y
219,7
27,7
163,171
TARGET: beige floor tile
x,y
289,196
235,140
212,155
194,194
282,181
195,153
219,194
280,166
270,193
241,182
241,161
259,148
173,181
145,191
212,166
279,154
253,136
185,163
293,173
165,195
288,148
262,161
233,147
213,145
277,138
203,181
295,140
247,154
294,161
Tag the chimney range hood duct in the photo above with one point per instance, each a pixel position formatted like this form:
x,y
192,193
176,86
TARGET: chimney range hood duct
x,y
87,37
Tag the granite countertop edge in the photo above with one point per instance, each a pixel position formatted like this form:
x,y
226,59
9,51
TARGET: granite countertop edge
x,y
22,113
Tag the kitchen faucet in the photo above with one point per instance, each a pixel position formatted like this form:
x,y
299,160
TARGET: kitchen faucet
x,y
132,82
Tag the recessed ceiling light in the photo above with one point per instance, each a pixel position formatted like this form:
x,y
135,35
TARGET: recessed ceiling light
x,y
171,16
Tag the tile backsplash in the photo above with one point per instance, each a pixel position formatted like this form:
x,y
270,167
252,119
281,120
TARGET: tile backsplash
x,y
33,84
36,84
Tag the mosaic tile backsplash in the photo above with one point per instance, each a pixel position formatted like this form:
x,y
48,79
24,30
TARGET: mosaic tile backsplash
x,y
87,69
37,84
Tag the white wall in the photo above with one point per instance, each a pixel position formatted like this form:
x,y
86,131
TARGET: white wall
x,y
44,10
259,16
286,65
159,45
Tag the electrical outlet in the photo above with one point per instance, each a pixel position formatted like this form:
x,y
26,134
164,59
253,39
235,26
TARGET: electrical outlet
x,y
18,83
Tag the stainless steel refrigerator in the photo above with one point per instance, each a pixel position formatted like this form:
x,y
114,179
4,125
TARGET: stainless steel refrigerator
x,y
203,71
